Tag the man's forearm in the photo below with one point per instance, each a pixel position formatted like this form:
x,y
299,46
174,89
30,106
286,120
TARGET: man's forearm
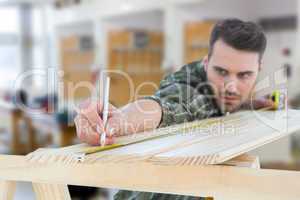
x,y
141,115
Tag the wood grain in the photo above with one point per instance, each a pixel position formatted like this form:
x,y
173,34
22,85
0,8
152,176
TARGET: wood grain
x,y
211,141
7,190
44,191
220,182
173,164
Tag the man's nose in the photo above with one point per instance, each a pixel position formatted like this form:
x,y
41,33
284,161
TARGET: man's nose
x,y
231,86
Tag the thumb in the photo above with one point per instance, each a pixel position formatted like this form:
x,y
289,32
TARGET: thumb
x,y
110,140
114,125
111,108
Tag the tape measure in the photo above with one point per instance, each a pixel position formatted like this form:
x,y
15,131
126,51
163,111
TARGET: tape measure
x,y
279,99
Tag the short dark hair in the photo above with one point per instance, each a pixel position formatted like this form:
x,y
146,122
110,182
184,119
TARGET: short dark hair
x,y
240,35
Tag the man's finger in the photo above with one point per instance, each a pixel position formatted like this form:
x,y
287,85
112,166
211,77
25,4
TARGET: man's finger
x,y
263,103
113,126
111,107
91,114
110,140
93,138
81,124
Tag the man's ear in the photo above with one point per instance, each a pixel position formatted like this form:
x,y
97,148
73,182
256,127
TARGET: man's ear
x,y
205,62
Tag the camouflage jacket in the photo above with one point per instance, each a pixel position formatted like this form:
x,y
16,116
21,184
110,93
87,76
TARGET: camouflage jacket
x,y
183,96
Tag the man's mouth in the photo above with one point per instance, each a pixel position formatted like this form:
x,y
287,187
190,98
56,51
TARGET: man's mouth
x,y
230,99
227,98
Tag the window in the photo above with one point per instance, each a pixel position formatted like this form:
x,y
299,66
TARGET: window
x,y
9,45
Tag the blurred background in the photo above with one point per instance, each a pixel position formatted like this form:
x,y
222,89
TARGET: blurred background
x,y
52,53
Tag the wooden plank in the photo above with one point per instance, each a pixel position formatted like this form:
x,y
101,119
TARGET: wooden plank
x,y
252,130
7,190
211,141
44,191
244,160
220,182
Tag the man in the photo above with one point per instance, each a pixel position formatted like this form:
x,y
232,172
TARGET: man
x,y
221,82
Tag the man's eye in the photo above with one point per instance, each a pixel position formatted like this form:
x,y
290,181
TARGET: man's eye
x,y
244,76
221,72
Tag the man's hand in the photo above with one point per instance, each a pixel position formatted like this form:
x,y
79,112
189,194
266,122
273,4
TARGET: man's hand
x,y
89,124
135,117
260,103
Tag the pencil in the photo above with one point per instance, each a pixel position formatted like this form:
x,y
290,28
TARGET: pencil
x,y
105,102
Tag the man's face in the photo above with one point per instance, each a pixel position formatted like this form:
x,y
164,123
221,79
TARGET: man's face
x,y
232,73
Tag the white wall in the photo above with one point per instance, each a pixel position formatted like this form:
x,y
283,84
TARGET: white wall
x,y
81,28
149,20
215,9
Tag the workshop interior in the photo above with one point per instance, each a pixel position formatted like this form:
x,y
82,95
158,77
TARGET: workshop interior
x,y
53,54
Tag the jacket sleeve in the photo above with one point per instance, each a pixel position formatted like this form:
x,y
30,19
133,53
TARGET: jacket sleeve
x,y
180,98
